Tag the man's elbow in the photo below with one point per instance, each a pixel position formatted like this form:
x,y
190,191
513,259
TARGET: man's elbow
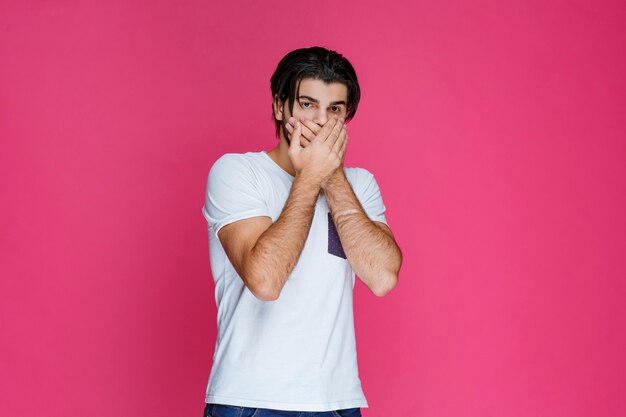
x,y
388,284
265,295
262,290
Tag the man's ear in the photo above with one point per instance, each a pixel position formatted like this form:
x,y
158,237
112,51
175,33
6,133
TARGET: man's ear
x,y
278,108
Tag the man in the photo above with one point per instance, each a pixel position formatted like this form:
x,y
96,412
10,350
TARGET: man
x,y
288,230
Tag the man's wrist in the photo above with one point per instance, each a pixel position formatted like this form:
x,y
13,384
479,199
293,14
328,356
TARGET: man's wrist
x,y
335,179
308,182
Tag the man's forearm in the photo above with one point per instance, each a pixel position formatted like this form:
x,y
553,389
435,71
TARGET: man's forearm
x,y
278,249
371,251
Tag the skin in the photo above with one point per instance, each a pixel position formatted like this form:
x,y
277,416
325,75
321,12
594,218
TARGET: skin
x,y
264,253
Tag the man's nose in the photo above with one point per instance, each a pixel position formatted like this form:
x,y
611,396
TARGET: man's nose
x,y
321,118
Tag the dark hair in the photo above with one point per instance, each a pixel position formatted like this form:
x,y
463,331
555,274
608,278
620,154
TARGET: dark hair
x,y
316,63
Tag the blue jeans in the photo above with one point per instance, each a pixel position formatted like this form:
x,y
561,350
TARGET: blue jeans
x,y
221,410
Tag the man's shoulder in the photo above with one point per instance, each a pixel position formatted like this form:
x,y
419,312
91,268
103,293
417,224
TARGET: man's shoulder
x,y
233,173
235,161
357,175
238,156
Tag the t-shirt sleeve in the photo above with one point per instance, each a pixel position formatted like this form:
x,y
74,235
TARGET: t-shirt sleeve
x,y
370,198
232,193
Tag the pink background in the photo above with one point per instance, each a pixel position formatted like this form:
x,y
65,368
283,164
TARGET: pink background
x,y
496,132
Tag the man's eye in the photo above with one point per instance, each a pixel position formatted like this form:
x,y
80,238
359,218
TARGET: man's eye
x,y
307,105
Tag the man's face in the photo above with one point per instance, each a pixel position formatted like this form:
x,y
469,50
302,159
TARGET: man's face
x,y
317,101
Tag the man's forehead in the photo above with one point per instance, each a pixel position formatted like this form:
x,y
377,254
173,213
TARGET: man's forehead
x,y
318,90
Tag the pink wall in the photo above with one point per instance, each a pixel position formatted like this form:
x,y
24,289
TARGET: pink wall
x,y
497,135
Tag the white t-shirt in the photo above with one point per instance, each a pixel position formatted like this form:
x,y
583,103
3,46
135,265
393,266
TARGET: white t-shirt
x,y
297,352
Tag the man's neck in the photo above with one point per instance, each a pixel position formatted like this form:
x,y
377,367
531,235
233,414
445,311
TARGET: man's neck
x,y
281,157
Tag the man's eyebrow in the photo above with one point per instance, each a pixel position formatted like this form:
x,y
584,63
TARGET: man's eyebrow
x,y
317,101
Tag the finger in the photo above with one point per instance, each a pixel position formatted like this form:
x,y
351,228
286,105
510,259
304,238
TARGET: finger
x,y
325,131
307,134
310,125
295,136
339,142
304,137
334,134
343,148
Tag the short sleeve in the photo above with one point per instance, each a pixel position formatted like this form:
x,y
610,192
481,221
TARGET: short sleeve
x,y
232,193
370,197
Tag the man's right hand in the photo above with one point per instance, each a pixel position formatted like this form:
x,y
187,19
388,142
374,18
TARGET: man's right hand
x,y
321,157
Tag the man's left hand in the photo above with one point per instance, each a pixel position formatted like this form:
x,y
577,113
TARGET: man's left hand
x,y
310,129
